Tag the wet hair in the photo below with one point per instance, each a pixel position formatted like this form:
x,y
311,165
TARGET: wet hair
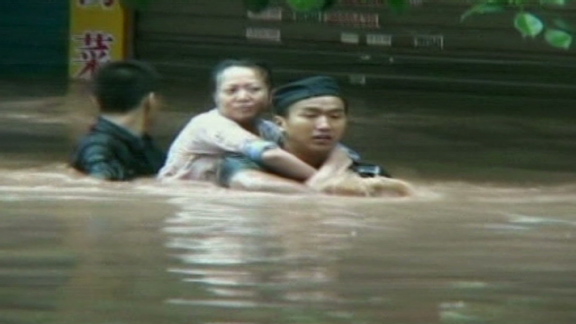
x,y
245,63
120,86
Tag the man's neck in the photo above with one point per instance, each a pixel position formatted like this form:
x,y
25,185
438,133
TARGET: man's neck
x,y
314,159
133,121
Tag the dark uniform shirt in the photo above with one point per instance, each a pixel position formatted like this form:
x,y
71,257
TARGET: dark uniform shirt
x,y
234,163
111,152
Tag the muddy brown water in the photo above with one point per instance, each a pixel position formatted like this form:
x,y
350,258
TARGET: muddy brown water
x,y
489,238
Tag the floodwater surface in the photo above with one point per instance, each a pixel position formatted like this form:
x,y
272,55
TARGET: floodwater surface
x,y
489,237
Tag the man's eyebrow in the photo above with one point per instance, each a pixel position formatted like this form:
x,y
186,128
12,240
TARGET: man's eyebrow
x,y
319,109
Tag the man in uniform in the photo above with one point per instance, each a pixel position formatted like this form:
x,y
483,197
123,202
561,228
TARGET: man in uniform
x,y
313,116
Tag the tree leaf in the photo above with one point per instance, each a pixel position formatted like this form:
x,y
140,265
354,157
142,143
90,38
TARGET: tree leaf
x,y
306,5
256,5
553,2
528,24
328,4
564,25
518,3
398,6
482,8
558,38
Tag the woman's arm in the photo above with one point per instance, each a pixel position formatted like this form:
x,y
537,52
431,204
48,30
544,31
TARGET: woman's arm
x,y
337,163
287,165
351,184
254,180
224,135
239,172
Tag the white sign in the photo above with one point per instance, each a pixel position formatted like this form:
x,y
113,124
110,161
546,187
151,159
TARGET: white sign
x,y
269,14
349,38
265,34
429,41
353,19
379,39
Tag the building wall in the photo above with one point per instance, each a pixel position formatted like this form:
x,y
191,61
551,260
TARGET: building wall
x,y
358,40
33,37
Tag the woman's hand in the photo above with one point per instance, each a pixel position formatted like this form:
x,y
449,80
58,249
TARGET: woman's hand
x,y
350,184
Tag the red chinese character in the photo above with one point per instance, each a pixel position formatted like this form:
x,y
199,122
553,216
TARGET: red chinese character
x,y
94,50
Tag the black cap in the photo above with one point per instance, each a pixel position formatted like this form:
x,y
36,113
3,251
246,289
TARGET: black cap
x,y
316,86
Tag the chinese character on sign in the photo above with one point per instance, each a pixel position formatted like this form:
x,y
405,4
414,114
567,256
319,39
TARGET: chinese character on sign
x,y
353,19
306,16
94,50
90,3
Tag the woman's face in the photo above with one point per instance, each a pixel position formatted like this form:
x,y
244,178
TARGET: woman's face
x,y
241,94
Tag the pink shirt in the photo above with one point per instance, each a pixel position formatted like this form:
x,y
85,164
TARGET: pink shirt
x,y
196,152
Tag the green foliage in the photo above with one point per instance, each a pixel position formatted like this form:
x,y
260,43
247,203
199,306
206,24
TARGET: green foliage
x,y
307,5
398,6
482,8
563,25
558,33
553,2
528,25
328,4
558,38
256,5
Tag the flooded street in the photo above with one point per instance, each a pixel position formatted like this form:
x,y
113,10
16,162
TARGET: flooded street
x,y
489,237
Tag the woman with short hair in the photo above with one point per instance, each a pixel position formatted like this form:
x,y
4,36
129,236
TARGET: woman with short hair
x,y
242,92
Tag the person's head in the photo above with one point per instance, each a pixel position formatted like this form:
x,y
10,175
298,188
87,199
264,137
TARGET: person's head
x,y
312,113
121,87
241,89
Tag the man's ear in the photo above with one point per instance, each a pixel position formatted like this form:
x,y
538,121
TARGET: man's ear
x,y
145,104
151,105
152,99
270,95
280,121
94,101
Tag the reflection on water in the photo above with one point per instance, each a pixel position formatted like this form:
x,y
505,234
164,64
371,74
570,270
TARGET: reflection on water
x,y
488,239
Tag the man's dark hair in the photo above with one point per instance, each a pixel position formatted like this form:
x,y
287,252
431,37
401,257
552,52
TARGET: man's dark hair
x,y
246,63
120,86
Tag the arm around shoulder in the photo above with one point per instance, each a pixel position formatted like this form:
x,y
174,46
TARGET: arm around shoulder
x,y
240,173
286,164
254,180
351,184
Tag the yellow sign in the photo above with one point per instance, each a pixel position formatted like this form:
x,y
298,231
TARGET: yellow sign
x,y
98,34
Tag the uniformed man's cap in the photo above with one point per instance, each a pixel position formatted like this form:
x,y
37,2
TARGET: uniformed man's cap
x,y
290,93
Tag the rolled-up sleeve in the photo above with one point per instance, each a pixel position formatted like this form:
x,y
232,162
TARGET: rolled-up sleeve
x,y
232,164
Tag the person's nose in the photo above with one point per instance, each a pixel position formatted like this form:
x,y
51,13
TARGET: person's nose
x,y
243,94
323,123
